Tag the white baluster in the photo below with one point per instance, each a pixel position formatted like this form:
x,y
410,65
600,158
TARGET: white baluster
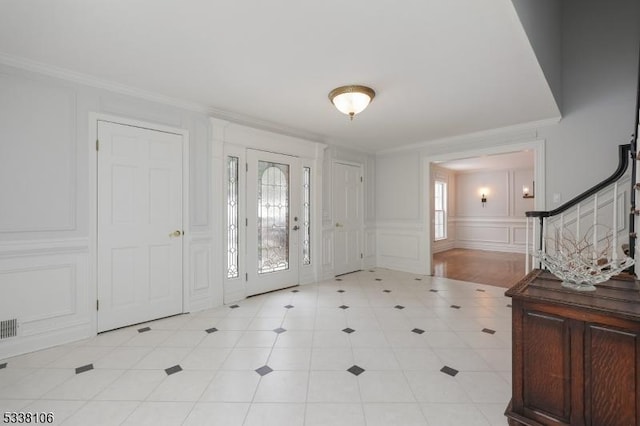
x,y
578,222
561,230
526,245
614,254
595,229
544,235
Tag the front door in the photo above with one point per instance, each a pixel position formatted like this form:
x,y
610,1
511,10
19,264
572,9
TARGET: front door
x,y
273,221
139,225
347,216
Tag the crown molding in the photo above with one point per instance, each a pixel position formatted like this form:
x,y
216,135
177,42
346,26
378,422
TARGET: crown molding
x,y
94,82
111,86
268,126
460,141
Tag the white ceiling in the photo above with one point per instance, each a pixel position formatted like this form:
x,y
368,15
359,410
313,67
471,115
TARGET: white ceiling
x,y
440,68
512,160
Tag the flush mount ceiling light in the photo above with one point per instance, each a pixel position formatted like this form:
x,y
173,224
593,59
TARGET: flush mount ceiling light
x,y
351,100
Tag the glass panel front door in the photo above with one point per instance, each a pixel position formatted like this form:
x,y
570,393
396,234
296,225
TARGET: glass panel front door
x,y
273,222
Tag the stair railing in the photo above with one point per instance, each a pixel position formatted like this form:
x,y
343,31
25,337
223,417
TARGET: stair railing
x,y
580,219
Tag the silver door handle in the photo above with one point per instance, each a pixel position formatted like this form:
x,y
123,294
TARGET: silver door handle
x,y
296,227
339,225
176,233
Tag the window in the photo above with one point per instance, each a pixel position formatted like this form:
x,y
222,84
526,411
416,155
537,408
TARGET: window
x,y
306,215
440,210
232,217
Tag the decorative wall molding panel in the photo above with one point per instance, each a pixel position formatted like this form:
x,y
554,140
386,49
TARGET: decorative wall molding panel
x,y
48,295
38,165
401,246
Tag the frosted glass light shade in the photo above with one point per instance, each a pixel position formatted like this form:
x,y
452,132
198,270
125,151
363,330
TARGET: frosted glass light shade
x,y
351,100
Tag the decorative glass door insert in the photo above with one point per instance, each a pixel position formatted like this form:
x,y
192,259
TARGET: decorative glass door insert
x,y
273,223
273,217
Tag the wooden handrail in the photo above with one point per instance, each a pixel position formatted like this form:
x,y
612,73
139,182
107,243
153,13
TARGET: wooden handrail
x,y
623,164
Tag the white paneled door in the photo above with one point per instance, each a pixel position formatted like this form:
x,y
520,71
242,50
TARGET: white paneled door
x,y
139,225
347,217
273,221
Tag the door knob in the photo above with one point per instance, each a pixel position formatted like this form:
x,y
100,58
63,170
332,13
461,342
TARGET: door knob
x,y
296,227
339,225
176,233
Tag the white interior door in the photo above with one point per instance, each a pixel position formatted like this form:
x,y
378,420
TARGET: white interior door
x,y
347,216
273,221
139,225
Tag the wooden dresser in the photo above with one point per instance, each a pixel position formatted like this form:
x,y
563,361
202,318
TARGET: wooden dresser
x,y
576,355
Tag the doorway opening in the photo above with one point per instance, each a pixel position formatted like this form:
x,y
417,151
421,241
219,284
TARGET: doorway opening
x,y
481,217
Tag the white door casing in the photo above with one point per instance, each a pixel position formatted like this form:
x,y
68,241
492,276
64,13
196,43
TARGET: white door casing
x,y
273,221
140,225
347,217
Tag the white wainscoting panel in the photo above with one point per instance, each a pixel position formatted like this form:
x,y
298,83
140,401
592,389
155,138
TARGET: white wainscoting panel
x,y
327,253
47,290
200,277
483,233
494,234
370,234
402,247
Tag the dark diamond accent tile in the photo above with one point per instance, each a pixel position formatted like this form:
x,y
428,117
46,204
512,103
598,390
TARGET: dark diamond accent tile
x,y
488,331
399,307
378,279
173,370
289,306
509,306
343,307
348,330
279,330
264,370
84,368
448,370
355,370
3,365
418,330
417,279
480,290
433,290
211,330
340,291
234,306
386,291
455,306
295,291
144,329
338,279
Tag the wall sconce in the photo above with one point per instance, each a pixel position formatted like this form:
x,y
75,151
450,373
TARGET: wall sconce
x,y
526,193
483,197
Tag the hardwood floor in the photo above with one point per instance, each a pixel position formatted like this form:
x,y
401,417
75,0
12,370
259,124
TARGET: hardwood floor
x,y
479,266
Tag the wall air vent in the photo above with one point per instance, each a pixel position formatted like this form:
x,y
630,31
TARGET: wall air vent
x,y
8,328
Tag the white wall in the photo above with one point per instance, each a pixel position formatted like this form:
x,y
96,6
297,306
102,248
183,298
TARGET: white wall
x,y
47,276
500,224
400,216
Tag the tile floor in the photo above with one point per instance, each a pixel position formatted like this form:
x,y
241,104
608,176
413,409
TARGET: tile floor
x,y
376,347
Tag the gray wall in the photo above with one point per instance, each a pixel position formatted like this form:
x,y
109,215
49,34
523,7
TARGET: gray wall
x,y
541,20
600,43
